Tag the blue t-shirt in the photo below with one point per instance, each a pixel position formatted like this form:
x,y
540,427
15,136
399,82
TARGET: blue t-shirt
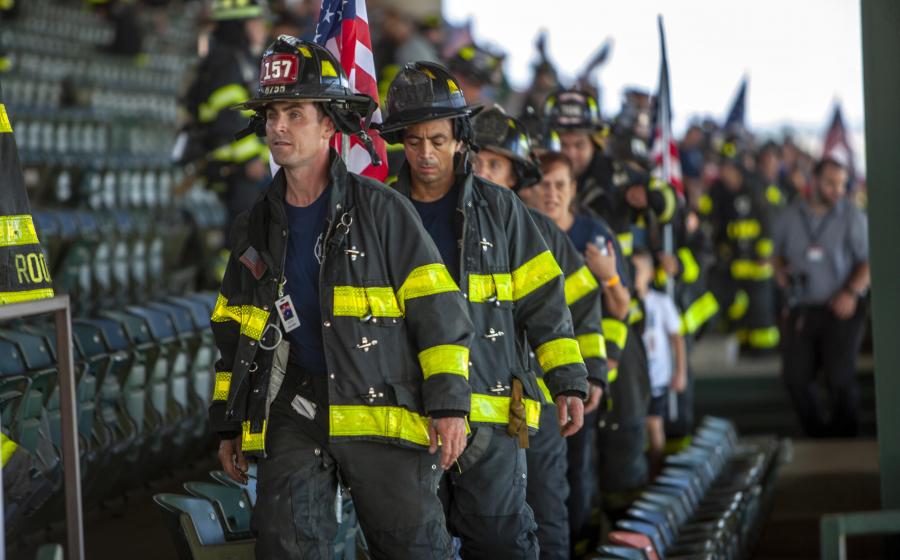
x,y
586,229
439,219
301,270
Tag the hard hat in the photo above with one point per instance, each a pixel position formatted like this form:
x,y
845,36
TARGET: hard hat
x,y
223,10
498,132
572,110
477,65
422,92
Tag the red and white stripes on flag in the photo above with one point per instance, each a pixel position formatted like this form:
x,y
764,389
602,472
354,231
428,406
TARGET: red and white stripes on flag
x,y
666,159
343,29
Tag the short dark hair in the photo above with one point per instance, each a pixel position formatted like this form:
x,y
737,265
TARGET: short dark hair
x,y
551,159
825,162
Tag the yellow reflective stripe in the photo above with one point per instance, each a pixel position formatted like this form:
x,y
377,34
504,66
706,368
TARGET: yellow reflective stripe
x,y
485,287
378,421
750,270
764,338
495,410
7,448
223,97
744,229
5,125
579,284
534,274
542,385
668,195
626,243
17,230
222,386
559,352
25,295
425,280
738,307
615,331
612,375
705,204
661,277
253,441
635,313
690,269
592,345
764,248
698,313
239,151
251,319
351,301
446,358
5,63
773,195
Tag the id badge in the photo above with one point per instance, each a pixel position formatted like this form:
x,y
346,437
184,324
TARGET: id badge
x,y
815,254
287,313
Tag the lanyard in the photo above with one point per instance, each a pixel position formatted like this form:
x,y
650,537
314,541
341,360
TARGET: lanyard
x,y
815,234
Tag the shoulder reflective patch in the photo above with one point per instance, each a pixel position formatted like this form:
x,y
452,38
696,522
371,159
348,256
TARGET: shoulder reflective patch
x,y
446,358
17,230
222,98
490,287
5,125
424,281
534,274
7,448
579,284
352,301
690,269
251,319
393,422
559,352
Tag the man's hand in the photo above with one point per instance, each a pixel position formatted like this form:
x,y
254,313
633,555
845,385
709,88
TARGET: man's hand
x,y
843,304
452,434
233,461
603,266
679,381
570,413
669,264
593,399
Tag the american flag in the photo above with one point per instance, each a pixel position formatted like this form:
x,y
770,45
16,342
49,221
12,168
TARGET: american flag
x,y
666,160
343,29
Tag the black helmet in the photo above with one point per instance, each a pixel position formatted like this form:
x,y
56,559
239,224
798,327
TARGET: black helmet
x,y
477,64
422,92
573,110
297,70
498,132
627,146
223,10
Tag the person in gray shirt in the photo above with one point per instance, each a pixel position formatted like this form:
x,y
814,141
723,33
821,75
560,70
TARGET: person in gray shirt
x,y
822,263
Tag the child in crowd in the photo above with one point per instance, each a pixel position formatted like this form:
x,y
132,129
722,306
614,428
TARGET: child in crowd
x,y
663,342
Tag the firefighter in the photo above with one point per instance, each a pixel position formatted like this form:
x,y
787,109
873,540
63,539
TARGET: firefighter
x,y
736,215
344,340
234,169
514,288
478,71
505,158
604,182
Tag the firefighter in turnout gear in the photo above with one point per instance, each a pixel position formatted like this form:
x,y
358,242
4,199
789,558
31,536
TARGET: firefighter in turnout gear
x,y
505,158
515,290
736,214
233,168
344,339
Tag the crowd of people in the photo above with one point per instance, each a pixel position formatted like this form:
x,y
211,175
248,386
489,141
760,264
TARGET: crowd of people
x,y
528,268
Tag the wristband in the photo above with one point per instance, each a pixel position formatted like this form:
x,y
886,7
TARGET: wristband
x,y
614,281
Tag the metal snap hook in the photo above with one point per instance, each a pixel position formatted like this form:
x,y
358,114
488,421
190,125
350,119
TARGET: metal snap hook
x,y
280,337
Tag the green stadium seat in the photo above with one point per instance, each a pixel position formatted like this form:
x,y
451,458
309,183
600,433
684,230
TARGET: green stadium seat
x,y
197,532
231,503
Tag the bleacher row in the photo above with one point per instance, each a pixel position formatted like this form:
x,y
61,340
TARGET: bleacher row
x,y
94,133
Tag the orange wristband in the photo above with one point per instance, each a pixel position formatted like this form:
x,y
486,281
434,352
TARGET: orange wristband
x,y
614,281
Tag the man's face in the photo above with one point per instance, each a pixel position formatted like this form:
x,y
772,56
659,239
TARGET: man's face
x,y
731,176
832,184
769,164
530,196
495,168
577,146
429,149
555,193
296,133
